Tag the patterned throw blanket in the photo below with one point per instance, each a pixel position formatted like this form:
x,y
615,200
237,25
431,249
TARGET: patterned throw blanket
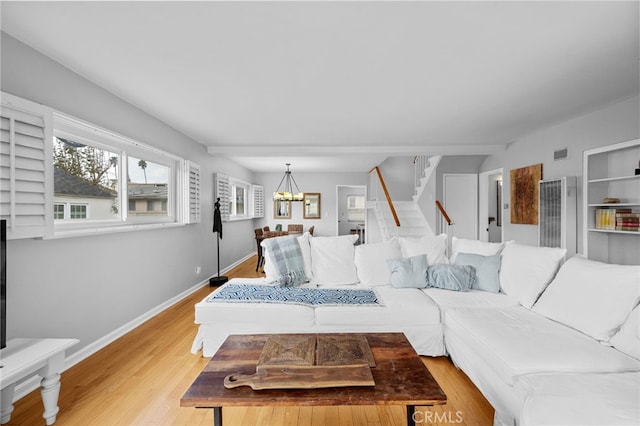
x,y
251,293
285,256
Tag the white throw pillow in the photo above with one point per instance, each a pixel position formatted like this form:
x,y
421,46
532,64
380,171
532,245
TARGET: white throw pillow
x,y
305,246
270,270
434,246
593,297
332,260
525,271
371,262
627,340
483,248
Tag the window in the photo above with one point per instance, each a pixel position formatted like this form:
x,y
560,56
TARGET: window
x,y
78,211
103,180
355,208
238,198
148,188
67,177
58,211
85,175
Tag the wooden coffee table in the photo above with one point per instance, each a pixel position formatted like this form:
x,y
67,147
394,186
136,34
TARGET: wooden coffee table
x,y
400,378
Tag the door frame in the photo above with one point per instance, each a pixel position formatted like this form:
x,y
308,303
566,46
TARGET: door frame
x,y
483,204
362,188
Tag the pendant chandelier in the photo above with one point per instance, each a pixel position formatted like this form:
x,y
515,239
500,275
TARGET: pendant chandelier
x,y
287,194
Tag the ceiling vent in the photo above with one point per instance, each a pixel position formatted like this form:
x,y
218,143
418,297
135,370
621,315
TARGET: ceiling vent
x,y
560,154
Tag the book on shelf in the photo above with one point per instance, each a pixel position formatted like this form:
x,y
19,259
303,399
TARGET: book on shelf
x,y
607,218
628,216
628,228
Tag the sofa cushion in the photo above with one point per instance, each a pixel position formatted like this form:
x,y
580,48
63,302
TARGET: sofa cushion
x,y
483,248
593,297
371,262
402,307
487,270
627,339
446,299
332,260
408,272
579,399
434,246
526,271
514,341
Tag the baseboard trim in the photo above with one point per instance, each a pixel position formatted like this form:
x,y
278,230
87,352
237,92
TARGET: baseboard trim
x,y
33,383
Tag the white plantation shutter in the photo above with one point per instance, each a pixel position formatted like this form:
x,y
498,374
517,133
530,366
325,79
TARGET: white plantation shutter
x,y
26,168
222,192
258,200
192,181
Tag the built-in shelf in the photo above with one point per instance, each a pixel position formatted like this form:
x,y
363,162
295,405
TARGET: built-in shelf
x,y
614,205
614,179
602,170
613,231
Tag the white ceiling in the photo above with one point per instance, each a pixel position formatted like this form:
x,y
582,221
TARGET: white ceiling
x,y
342,85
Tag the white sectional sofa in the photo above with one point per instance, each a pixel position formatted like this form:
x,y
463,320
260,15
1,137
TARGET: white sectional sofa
x,y
547,341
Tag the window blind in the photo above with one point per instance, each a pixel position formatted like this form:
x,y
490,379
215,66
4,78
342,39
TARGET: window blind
x,y
258,200
25,174
222,192
192,206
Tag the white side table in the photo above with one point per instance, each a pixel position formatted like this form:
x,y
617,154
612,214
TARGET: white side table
x,y
25,358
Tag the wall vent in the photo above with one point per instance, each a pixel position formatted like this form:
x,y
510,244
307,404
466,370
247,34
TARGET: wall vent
x,y
557,214
560,154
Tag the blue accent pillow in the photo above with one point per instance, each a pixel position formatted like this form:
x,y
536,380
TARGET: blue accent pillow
x,y
451,277
408,272
487,270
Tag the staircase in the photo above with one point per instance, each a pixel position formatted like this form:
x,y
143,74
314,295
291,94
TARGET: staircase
x,y
412,221
423,166
402,218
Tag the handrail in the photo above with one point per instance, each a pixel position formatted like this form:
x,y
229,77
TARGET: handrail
x,y
386,193
443,212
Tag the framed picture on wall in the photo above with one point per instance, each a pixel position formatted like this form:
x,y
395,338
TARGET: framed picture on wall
x,y
282,209
311,205
524,194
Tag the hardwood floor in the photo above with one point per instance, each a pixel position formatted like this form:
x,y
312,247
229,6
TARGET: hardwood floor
x,y
139,379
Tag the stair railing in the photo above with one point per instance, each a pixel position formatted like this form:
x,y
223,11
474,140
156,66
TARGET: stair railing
x,y
379,183
449,222
444,214
420,163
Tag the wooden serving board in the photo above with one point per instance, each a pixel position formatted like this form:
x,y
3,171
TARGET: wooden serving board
x,y
309,362
288,350
302,377
343,350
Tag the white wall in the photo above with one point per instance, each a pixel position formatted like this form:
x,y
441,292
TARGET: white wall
x,y
399,176
86,287
614,123
324,183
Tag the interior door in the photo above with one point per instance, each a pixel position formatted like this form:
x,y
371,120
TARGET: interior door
x,y
460,194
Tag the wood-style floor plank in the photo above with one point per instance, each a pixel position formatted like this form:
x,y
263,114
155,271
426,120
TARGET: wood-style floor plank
x,y
139,379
